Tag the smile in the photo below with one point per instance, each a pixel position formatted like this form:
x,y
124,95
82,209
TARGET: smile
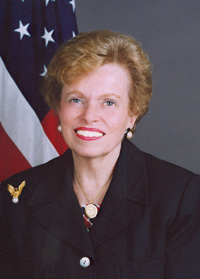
x,y
88,133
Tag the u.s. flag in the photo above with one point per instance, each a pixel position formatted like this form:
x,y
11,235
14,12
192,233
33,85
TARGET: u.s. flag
x,y
30,33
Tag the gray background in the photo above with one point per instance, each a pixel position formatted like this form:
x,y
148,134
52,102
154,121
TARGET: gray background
x,y
169,31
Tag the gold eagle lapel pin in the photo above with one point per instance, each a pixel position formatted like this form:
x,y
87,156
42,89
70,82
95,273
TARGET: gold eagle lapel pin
x,y
15,192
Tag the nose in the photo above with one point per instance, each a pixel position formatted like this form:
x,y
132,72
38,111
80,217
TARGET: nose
x,y
90,113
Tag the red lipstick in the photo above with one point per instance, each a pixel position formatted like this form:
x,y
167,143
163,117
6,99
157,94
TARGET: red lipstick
x,y
88,134
89,129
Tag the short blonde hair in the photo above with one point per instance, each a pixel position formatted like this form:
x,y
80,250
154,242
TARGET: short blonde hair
x,y
90,50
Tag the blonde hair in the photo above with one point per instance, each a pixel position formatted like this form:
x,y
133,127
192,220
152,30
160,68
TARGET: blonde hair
x,y
90,50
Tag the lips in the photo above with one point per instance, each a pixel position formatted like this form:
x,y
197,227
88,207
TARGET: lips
x,y
88,133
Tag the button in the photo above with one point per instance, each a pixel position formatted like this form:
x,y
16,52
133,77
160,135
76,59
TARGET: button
x,y
85,262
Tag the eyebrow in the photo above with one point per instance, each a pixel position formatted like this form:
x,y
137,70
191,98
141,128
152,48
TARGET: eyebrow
x,y
106,95
69,93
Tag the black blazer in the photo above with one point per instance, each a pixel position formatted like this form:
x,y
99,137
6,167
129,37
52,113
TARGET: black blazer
x,y
148,225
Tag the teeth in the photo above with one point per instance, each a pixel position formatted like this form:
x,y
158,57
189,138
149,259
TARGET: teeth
x,y
89,134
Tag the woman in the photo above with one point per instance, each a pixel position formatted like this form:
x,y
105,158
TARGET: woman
x,y
104,209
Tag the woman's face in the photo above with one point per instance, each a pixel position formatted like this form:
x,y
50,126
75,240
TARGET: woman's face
x,y
94,112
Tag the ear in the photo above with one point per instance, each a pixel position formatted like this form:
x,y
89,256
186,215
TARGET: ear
x,y
132,120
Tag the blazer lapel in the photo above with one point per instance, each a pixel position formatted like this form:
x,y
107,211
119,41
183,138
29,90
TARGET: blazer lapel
x,y
124,202
55,206
126,197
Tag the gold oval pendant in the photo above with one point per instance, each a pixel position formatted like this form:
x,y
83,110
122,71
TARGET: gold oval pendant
x,y
91,211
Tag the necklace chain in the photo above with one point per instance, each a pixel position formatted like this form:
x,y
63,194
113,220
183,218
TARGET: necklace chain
x,y
91,200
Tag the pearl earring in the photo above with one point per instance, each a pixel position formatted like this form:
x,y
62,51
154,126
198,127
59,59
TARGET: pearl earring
x,y
59,128
129,134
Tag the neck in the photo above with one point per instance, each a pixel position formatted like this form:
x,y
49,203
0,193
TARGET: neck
x,y
93,173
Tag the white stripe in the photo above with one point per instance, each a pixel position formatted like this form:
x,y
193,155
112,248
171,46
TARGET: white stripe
x,y
21,123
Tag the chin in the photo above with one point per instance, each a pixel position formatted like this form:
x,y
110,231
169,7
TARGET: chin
x,y
96,153
89,154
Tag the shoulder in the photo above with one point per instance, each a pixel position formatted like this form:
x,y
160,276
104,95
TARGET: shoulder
x,y
35,174
165,179
172,186
158,169
154,165
161,166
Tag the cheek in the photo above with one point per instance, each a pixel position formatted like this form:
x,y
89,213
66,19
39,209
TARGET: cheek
x,y
119,124
66,114
64,117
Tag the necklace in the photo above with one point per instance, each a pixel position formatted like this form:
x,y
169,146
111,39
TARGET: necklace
x,y
91,209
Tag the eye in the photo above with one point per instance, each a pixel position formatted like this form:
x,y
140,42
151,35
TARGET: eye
x,y
75,100
109,103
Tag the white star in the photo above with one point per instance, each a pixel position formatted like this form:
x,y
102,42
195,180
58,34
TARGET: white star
x,y
22,30
72,2
45,71
47,1
48,36
73,34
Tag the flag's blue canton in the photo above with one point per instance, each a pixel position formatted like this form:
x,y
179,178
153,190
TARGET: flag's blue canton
x,y
30,32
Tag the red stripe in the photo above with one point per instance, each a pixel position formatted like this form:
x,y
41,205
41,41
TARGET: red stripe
x,y
13,160
50,124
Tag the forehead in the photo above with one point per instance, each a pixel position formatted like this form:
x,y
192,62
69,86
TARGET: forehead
x,y
109,78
